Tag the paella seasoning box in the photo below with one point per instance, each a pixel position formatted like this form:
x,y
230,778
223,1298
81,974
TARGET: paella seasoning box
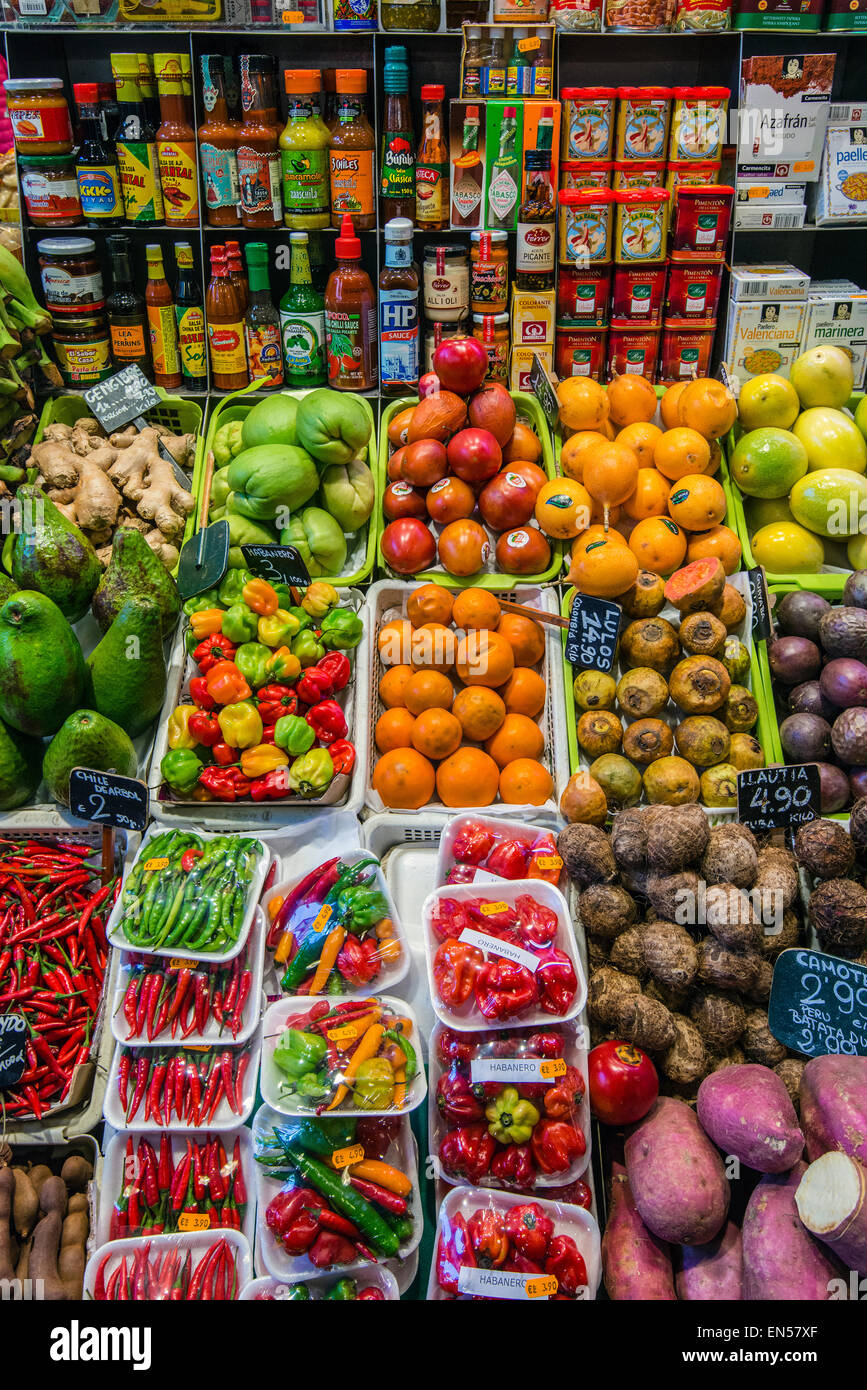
x,y
763,336
782,117
841,193
837,314
768,280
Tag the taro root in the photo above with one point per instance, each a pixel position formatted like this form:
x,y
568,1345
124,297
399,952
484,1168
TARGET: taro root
x,y
740,711
645,740
773,941
700,684
586,854
777,874
676,837
760,992
734,1057
675,1000
790,1071
701,634
627,953
719,1018
669,954
642,693
674,897
605,989
642,1021
838,911
598,732
702,740
758,1042
731,919
606,909
729,858
686,1060
629,838
724,969
598,949
649,642
634,881
825,849
858,825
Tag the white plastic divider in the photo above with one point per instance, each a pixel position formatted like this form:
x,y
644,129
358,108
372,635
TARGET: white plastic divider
x,y
273,1290
198,1243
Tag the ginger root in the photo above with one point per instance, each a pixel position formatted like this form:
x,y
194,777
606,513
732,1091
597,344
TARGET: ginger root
x,y
147,479
168,553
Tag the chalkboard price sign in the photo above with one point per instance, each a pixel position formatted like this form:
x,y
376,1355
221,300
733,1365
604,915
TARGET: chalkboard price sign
x,y
120,398
108,799
591,640
13,1058
818,1004
770,797
544,391
279,564
761,603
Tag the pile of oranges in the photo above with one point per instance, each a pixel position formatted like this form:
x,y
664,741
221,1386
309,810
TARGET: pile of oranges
x,y
648,491
461,695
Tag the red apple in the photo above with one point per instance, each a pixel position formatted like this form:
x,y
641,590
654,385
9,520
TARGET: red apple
x,y
408,546
461,364
492,408
399,499
506,501
424,462
474,455
530,472
449,500
429,385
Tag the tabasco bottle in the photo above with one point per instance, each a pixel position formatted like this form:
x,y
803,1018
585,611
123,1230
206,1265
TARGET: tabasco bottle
x,y
302,319
127,318
259,173
218,146
350,317
225,323
468,173
176,145
262,322
432,164
504,190
161,322
397,167
190,320
136,146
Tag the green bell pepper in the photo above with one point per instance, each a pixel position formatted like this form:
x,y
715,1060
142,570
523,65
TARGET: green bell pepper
x,y
298,1053
227,443
341,628
251,659
209,599
295,735
311,774
278,628
361,906
181,768
373,1086
240,624
511,1120
305,646
344,1291
232,587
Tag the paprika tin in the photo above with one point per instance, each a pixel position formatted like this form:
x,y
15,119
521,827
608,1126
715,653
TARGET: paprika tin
x,y
580,352
588,122
632,349
698,123
586,173
685,351
586,218
642,225
637,293
679,172
700,224
692,290
582,295
636,173
642,122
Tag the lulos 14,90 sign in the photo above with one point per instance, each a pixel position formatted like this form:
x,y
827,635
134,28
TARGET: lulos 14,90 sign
x,y
591,641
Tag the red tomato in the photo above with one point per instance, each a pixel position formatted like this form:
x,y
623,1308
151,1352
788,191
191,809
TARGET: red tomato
x,y
623,1083
408,546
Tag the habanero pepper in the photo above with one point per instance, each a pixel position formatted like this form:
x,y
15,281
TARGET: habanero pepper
x,y
224,755
467,1152
456,1100
530,1230
276,701
503,989
232,585
556,1145
204,728
307,648
565,1261
358,961
294,734
225,684
342,756
278,628
179,735
265,757
206,623
251,659
260,596
514,1165
314,686
455,968
327,721
508,859
283,665
318,598
473,844
272,786
213,649
225,783
341,628
338,667
557,982
181,769
565,1095
240,623
487,1232
240,724
454,1253
199,693
312,773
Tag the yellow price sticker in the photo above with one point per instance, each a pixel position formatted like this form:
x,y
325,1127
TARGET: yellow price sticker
x,y
196,1047
322,918
194,1221
341,1158
550,862
344,1034
803,166
491,909
179,963
151,864
545,1286
552,1066
528,45
292,17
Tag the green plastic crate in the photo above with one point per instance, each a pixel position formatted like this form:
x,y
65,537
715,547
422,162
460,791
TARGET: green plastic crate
x,y
236,407
528,409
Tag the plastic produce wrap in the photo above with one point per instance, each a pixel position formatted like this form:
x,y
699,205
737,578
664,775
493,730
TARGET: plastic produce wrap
x,y
359,1055
336,931
482,849
494,962
375,1285
161,1183
202,1267
509,1109
497,1245
178,1088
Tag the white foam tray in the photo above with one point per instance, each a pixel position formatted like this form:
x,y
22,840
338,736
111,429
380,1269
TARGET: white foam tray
x,y
277,1291
197,1242
507,829
224,1120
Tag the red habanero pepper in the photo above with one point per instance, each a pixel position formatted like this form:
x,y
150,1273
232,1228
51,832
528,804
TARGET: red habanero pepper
x,y
508,858
225,783
530,1230
487,1231
213,649
557,982
274,701
473,844
564,1097
271,786
200,695
224,755
358,961
456,1099
566,1263
336,665
467,1152
555,1144
502,988
514,1165
314,685
343,755
455,968
203,727
327,721
454,1252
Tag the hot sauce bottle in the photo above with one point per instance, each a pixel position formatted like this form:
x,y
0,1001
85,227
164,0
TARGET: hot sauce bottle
x,y
161,322
262,321
176,144
350,317
258,151
190,320
225,319
353,145
432,164
136,147
127,318
218,146
397,167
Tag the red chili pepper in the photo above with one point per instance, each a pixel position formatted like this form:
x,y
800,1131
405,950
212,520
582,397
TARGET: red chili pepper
x,y
200,695
203,727
224,755
213,649
141,1076
243,1064
327,721
390,1201
239,1189
244,988
275,701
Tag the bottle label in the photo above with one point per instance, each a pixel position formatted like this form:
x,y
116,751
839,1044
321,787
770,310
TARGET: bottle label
x,y
61,287
431,180
503,195
228,353
39,125
259,180
354,14
489,283
191,340
305,180
348,337
352,182
177,162
81,364
398,336
140,181
303,343
398,165
263,351
164,340
467,195
128,341
219,176
57,198
534,253
99,191
496,83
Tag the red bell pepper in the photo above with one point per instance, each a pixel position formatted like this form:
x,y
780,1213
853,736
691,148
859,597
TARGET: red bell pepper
x,y
530,1230
358,961
449,918
556,1144
504,989
557,982
456,1099
473,844
492,923
487,1232
314,685
545,1045
538,924
522,1264
199,693
336,665
343,755
213,649
225,783
274,701
294,1218
327,721
545,848
455,967
204,728
514,1165
467,1152
566,1263
454,1252
508,859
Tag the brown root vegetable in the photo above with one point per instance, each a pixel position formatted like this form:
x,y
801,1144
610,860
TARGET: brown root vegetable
x,y
606,909
724,969
758,1041
729,858
730,917
606,987
629,838
825,849
760,991
22,1269
78,1202
44,1253
76,1173
73,1253
646,1022
39,1175
7,1242
669,954
838,911
675,1000
777,873
719,1019
674,897
636,1266
790,1071
587,855
676,837
778,937
627,952
52,1196
676,1175
685,1061
25,1205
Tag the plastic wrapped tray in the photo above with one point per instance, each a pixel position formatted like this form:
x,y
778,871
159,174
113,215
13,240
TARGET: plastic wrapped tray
x,y
198,1243
225,1119
503,829
277,1291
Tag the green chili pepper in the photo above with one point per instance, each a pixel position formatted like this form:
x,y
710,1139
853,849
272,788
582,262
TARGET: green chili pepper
x,y
341,628
240,623
180,768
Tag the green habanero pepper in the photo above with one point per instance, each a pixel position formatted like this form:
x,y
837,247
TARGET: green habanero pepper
x,y
209,599
294,734
312,773
298,1053
278,628
373,1085
304,619
240,624
344,1291
251,659
305,646
511,1120
232,586
362,906
341,628
181,768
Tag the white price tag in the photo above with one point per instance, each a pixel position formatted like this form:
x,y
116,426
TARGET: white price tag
x,y
494,946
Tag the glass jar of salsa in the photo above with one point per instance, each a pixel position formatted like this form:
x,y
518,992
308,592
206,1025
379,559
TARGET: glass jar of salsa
x,y
50,189
71,278
39,115
82,348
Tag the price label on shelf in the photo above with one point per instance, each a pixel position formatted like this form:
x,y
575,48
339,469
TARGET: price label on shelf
x,y
818,1004
13,1056
591,639
544,391
279,564
194,1221
770,797
761,603
108,799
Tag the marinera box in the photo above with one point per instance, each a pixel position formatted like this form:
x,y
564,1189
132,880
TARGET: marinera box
x,y
841,193
781,219
763,337
782,116
532,317
521,362
772,194
488,143
763,281
837,313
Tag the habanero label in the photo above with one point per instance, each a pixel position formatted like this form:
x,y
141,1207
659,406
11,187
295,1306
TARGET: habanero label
x,y
495,946
503,1283
517,1069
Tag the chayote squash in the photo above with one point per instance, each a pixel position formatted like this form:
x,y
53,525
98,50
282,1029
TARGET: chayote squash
x,y
332,426
272,477
347,492
319,541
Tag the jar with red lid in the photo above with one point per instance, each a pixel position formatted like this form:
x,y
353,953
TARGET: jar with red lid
x,y
587,130
642,122
50,189
492,331
637,293
638,173
70,274
698,123
489,272
632,350
582,295
39,115
580,352
692,290
586,220
641,226
585,173
700,222
685,351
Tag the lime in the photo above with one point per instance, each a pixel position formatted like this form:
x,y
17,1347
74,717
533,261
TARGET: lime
x,y
783,547
768,400
767,462
832,502
831,439
822,376
856,551
861,415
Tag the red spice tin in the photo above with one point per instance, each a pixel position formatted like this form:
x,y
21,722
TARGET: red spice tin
x,y
632,350
582,295
637,293
580,352
700,222
692,290
685,351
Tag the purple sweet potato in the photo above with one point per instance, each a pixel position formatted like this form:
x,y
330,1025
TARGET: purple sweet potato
x,y
747,1112
676,1175
834,1106
713,1273
782,1261
635,1265
832,1203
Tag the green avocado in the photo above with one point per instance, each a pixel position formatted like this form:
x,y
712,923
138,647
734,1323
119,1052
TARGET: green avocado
x,y
128,667
43,677
134,571
51,555
87,739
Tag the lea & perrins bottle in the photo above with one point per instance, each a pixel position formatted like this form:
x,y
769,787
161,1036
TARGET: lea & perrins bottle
x,y
127,318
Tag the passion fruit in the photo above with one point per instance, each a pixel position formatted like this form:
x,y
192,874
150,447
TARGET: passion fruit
x,y
599,732
671,781
702,634
699,685
594,690
702,740
646,740
650,642
619,780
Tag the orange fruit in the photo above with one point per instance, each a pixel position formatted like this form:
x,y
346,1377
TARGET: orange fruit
x,y
697,502
433,647
525,782
404,779
525,637
598,515
430,603
436,733
517,737
480,711
708,406
428,690
650,497
631,400
392,686
598,533
668,404
602,568
484,658
563,508
574,452
468,778
641,439
610,473
681,451
524,692
393,729
719,541
394,642
583,403
476,608
524,446
658,544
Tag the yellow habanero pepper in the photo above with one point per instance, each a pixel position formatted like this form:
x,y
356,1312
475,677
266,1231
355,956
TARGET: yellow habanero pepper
x,y
240,724
265,757
206,623
179,732
261,596
319,598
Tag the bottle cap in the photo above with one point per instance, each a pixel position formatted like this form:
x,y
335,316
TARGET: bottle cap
x,y
299,237
433,92
347,246
86,93
256,253
351,80
233,248
398,229
396,53
510,111
302,80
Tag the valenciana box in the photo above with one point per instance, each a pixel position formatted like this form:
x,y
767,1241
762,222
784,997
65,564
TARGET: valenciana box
x,y
763,281
782,116
763,337
841,193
